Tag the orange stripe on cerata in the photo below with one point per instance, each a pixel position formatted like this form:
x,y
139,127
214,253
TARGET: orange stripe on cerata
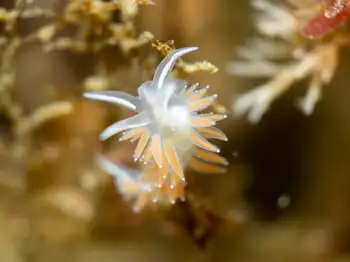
x,y
141,145
180,188
198,121
214,117
174,180
163,191
172,194
190,90
202,103
203,167
210,157
212,132
172,158
147,153
162,174
132,133
202,142
135,138
157,151
197,95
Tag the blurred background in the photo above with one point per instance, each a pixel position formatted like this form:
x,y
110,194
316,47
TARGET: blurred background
x,y
285,196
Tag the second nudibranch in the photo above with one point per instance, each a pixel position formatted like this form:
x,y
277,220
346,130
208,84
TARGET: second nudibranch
x,y
170,130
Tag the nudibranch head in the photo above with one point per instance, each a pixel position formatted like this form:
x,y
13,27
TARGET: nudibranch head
x,y
168,124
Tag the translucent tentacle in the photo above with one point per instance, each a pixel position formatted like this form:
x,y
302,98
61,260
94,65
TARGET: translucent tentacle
x,y
165,67
115,97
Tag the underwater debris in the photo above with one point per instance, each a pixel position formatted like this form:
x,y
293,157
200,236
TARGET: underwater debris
x,y
264,58
11,41
69,200
167,47
335,15
129,8
42,115
93,23
170,130
84,26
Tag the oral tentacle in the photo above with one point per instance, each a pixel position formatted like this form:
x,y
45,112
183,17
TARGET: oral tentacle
x,y
165,67
115,97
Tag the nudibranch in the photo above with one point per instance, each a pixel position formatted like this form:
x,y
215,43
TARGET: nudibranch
x,y
139,187
171,131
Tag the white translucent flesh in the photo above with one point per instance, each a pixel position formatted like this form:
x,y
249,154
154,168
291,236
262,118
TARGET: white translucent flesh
x,y
167,93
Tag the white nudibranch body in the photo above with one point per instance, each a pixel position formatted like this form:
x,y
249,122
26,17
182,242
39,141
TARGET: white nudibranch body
x,y
171,132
